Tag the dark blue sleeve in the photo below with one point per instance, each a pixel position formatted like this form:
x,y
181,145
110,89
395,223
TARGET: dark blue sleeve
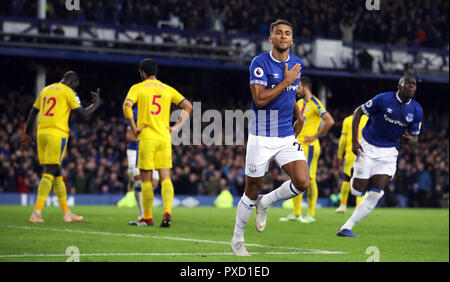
x,y
135,114
257,72
415,127
375,105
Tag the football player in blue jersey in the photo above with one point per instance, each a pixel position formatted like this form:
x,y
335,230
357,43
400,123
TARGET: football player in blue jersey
x,y
393,117
274,80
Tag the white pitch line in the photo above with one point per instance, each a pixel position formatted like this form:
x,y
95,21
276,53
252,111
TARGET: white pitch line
x,y
167,238
153,254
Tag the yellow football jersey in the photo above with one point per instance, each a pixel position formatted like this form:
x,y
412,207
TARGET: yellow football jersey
x,y
313,110
347,132
154,99
54,104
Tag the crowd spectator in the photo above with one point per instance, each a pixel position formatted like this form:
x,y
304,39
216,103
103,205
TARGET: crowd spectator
x,y
423,23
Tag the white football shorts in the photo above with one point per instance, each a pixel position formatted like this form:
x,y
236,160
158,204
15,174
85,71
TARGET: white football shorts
x,y
261,149
375,161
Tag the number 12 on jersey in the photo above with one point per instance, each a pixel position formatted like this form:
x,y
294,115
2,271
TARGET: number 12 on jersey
x,y
51,100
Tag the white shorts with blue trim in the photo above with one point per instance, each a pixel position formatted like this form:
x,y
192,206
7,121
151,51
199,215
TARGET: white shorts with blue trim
x,y
261,149
375,161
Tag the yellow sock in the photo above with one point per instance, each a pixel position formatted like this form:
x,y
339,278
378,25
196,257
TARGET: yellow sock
x,y
45,187
345,190
298,205
61,193
167,195
313,193
147,199
359,200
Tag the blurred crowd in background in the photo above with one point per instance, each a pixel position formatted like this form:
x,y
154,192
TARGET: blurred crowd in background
x,y
95,161
420,23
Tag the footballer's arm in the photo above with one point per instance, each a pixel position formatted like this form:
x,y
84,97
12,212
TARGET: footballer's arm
x,y
298,124
356,147
184,116
130,136
262,96
328,123
128,113
409,139
26,138
87,112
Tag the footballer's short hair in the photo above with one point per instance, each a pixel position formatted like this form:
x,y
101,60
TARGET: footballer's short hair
x,y
149,66
278,22
71,79
306,81
71,76
405,77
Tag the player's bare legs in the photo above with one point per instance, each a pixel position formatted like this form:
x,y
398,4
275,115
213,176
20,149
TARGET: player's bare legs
x,y
374,188
299,174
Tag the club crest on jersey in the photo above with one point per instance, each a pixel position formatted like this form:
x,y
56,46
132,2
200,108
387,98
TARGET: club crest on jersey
x,y
252,167
369,104
409,117
258,72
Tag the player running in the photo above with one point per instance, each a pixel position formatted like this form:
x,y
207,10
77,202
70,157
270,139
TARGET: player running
x,y
346,158
134,177
314,113
54,104
152,130
274,79
391,116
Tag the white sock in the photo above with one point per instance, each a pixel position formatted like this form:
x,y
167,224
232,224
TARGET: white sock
x,y
364,208
286,191
138,196
243,213
38,212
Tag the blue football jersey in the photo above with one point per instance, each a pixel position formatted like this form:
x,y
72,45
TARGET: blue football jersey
x,y
389,117
275,119
133,145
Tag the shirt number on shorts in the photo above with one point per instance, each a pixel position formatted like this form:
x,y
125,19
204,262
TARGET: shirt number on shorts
x,y
50,100
299,146
155,103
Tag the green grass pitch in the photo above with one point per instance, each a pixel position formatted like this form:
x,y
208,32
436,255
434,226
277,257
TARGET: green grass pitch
x,y
202,234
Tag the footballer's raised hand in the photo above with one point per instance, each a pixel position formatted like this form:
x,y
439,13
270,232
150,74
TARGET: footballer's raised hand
x,y
293,74
96,95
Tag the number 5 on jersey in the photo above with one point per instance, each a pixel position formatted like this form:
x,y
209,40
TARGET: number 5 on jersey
x,y
155,103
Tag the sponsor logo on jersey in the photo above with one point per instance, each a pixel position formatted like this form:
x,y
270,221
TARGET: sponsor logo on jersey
x,y
289,88
397,122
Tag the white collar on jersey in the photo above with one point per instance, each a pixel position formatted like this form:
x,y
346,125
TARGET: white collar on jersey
x,y
273,58
400,100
